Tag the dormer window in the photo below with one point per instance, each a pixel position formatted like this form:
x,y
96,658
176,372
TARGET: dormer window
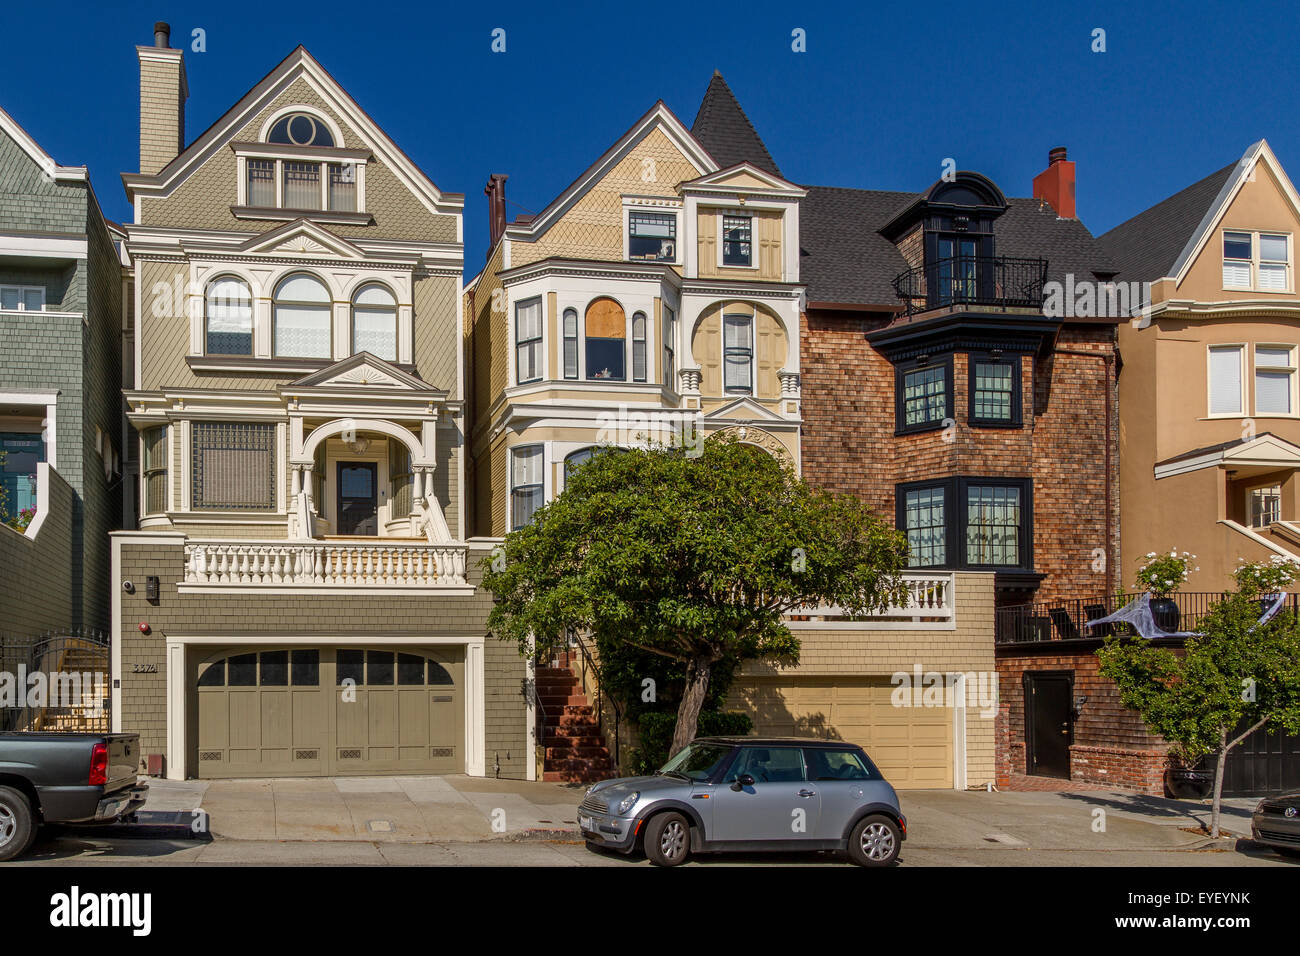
x,y
737,241
652,236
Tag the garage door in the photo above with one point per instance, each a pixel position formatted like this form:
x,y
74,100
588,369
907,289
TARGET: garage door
x,y
323,711
912,746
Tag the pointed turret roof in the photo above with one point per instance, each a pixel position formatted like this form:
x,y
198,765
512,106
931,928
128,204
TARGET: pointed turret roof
x,y
726,132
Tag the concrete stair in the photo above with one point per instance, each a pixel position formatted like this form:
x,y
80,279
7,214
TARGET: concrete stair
x,y
573,749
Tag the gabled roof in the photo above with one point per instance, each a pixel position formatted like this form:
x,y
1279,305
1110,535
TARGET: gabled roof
x,y
658,116
1264,450
846,261
49,167
724,179
362,369
297,64
726,132
1146,247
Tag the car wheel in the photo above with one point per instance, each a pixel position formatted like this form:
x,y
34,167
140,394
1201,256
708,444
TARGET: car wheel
x,y
668,839
17,828
875,841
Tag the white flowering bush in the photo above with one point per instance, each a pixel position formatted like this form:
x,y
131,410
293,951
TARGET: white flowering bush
x,y
1163,574
1257,578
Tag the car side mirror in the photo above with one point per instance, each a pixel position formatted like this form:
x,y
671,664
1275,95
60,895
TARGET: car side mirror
x,y
744,780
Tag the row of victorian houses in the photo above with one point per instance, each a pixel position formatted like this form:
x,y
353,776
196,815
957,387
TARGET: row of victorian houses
x,y
311,422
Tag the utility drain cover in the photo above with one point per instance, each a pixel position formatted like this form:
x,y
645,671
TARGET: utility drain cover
x,y
380,826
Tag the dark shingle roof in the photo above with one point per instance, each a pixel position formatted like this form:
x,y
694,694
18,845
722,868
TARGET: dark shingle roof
x,y
725,131
845,259
1146,247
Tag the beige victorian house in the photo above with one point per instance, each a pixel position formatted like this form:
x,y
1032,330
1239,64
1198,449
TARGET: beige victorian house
x,y
299,597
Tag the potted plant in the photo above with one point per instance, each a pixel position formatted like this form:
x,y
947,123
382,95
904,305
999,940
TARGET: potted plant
x,y
1161,575
1260,580
1188,779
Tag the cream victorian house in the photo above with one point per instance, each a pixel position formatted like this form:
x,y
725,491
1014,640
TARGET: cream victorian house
x,y
299,597
657,298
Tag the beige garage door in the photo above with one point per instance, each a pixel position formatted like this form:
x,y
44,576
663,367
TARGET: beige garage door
x,y
322,711
912,746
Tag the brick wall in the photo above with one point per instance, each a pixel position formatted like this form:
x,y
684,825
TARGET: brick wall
x,y
333,618
849,443
1111,745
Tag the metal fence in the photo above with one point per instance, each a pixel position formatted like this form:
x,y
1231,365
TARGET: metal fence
x,y
1065,620
57,681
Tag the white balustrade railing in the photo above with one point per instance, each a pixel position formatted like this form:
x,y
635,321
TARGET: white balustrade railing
x,y
324,564
929,602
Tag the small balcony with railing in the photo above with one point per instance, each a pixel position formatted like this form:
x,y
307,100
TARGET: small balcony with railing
x,y
966,283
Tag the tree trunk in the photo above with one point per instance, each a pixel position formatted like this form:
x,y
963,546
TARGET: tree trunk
x,y
1217,806
688,712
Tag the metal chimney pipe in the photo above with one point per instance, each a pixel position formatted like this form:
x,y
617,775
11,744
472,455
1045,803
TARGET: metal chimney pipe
x,y
162,33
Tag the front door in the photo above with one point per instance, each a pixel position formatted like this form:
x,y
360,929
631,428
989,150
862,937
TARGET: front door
x,y
1050,724
358,498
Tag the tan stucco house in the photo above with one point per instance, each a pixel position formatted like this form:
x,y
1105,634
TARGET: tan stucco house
x,y
1209,410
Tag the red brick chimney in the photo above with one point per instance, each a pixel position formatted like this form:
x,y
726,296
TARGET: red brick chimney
x,y
1056,183
495,190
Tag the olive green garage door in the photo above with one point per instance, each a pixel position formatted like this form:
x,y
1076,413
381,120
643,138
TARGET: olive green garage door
x,y
325,711
912,746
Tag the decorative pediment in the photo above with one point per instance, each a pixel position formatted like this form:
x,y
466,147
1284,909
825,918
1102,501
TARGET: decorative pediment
x,y
362,370
744,409
742,176
302,238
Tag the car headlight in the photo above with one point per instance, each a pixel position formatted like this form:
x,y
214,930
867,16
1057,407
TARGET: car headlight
x,y
628,802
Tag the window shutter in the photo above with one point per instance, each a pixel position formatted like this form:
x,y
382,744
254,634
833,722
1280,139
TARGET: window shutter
x,y
1225,381
707,349
771,356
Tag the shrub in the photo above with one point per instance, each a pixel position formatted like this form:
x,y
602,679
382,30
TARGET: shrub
x,y
657,735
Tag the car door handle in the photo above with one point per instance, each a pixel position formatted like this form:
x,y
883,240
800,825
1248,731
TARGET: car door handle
x,y
807,793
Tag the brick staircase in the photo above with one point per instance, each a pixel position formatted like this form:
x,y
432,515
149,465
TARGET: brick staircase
x,y
575,751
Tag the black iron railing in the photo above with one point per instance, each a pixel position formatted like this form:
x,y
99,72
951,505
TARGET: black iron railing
x,y
990,281
1066,620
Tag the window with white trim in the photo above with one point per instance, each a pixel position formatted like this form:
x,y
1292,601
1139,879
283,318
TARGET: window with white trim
x,y
737,240
1275,370
155,469
528,341
652,236
233,465
570,335
285,179
738,353
1225,380
1265,505
670,339
302,324
374,322
22,298
526,487
1259,261
638,347
229,317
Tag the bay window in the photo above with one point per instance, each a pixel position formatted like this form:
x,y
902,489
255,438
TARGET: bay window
x,y
738,353
526,486
979,523
638,347
922,395
570,335
528,341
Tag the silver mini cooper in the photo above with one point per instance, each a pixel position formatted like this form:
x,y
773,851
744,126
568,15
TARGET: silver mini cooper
x,y
724,794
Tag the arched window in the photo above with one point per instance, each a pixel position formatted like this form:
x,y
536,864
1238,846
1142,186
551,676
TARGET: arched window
x,y
229,316
570,343
576,459
638,347
302,318
606,340
374,322
300,129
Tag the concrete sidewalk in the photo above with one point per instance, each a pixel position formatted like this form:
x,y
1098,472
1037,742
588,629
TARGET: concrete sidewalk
x,y
374,809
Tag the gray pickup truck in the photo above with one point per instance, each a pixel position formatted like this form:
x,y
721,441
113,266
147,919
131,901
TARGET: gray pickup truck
x,y
64,778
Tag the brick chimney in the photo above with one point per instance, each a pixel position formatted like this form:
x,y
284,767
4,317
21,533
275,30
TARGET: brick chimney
x,y
1056,183
495,190
163,92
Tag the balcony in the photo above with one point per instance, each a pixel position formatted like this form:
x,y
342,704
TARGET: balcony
x,y
335,567
929,606
995,282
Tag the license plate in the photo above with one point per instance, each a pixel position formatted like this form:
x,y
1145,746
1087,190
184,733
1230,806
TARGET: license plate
x,y
586,823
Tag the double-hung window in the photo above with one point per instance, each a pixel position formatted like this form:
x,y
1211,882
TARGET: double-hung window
x,y
526,487
994,390
1260,261
652,236
155,469
1275,375
1265,505
638,347
1226,380
738,353
737,240
528,341
570,343
994,521
670,338
925,522
923,396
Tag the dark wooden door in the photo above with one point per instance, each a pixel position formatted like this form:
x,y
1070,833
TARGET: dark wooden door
x,y
358,501
1050,730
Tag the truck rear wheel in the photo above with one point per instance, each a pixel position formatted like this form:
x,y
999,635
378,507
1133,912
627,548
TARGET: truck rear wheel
x,y
17,828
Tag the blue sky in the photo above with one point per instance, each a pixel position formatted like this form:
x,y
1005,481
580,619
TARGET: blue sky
x,y
884,93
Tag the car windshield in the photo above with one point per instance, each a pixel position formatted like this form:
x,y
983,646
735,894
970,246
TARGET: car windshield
x,y
697,761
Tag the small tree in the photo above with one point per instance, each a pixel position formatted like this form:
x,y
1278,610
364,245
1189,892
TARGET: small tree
x,y
697,559
1236,673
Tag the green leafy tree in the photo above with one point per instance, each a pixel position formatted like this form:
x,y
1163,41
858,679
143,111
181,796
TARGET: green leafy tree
x,y
692,558
1236,674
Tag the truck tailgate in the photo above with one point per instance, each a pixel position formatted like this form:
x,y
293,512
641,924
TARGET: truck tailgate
x,y
123,761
